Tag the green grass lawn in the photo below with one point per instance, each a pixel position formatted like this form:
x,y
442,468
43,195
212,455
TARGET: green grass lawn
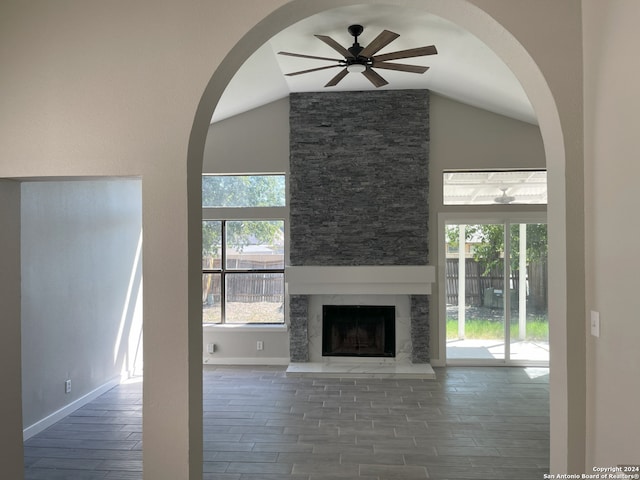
x,y
479,328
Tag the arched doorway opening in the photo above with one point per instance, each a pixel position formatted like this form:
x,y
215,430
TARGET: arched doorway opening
x,y
506,46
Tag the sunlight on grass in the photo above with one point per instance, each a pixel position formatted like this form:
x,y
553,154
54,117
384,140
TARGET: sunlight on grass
x,y
479,328
245,312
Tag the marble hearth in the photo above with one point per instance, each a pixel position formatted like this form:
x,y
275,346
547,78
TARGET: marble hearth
x,y
333,369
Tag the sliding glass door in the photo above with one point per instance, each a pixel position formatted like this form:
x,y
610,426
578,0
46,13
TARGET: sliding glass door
x,y
529,322
474,286
496,292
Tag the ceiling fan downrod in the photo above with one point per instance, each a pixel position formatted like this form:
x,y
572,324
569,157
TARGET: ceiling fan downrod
x,y
358,63
355,31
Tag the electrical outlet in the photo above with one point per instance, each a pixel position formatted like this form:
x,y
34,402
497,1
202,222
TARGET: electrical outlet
x,y
67,386
211,347
260,345
595,323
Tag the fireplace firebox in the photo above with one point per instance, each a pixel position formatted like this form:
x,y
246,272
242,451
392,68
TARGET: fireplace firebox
x,y
359,330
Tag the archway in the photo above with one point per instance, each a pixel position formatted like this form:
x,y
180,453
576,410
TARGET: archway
x,y
513,53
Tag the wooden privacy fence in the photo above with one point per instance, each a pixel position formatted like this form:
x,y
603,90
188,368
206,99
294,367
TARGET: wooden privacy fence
x,y
478,282
261,287
245,288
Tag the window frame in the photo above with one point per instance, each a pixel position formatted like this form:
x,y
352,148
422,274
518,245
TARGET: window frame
x,y
224,271
497,180
259,213
246,175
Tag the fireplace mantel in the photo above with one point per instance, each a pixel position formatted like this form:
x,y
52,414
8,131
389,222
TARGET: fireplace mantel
x,y
360,280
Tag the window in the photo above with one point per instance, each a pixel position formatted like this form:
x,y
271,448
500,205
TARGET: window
x,y
243,255
243,191
498,187
243,271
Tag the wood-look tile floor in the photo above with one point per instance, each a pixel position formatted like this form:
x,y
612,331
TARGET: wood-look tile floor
x,y
259,424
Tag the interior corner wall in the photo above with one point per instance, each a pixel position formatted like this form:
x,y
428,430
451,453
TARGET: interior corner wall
x,y
11,451
256,141
612,229
81,288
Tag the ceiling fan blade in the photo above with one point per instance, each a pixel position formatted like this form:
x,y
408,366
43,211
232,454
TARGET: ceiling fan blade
x,y
311,70
374,78
378,43
336,46
313,57
412,52
401,67
334,81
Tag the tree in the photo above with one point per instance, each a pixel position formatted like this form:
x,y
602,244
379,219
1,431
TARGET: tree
x,y
488,242
239,234
241,191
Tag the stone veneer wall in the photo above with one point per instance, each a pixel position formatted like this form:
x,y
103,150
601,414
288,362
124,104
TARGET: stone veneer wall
x,y
359,184
298,317
420,328
359,178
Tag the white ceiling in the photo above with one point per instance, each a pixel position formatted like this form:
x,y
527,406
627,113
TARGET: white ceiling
x,y
464,69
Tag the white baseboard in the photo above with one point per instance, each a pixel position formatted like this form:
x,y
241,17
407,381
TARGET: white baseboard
x,y
245,360
58,415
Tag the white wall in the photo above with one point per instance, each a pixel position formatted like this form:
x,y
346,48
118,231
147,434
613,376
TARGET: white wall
x,y
81,286
612,170
462,137
238,345
256,142
11,451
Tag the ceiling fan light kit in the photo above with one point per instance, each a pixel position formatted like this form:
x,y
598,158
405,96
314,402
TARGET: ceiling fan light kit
x,y
356,68
358,59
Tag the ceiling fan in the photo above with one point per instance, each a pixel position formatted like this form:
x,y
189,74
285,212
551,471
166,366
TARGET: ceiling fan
x,y
504,198
363,60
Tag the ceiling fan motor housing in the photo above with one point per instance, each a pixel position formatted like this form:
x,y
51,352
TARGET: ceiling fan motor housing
x,y
356,48
356,30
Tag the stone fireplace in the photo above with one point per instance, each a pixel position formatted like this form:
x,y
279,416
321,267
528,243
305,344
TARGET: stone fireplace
x,y
405,288
358,190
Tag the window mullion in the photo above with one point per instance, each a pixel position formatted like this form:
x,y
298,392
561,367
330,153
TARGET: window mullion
x,y
223,268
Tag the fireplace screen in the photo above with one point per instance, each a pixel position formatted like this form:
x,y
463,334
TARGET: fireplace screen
x,y
359,330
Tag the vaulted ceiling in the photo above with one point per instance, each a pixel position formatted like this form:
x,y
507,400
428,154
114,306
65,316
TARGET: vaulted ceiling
x,y
464,69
